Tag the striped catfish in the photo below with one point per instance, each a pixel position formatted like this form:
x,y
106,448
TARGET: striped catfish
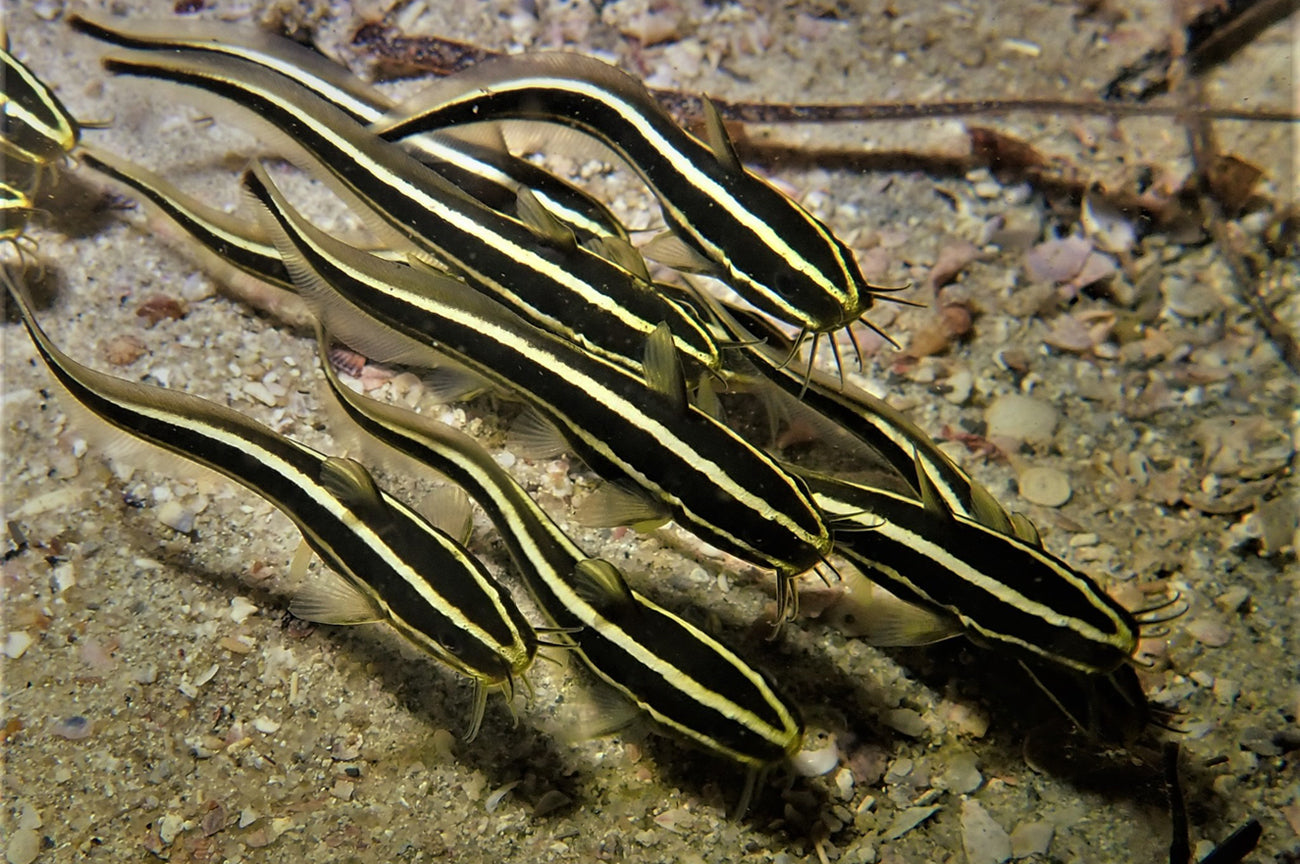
x,y
691,466
1002,591
768,248
684,679
35,128
902,444
394,565
487,173
567,289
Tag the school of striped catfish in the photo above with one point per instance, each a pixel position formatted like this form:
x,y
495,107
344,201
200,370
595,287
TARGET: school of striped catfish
x,y
532,287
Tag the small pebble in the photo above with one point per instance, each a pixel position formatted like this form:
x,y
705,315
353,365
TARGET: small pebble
x,y
1022,46
48,10
1204,848
1260,741
1226,690
905,721
170,827
1189,298
205,746
1210,630
266,725
962,775
1096,267
343,789
1068,333
23,847
237,644
898,769
63,576
1277,522
29,817
1233,599
908,819
240,609
652,28
278,826
261,393
646,837
984,840
349,749
844,783
967,719
1106,225
1046,487
1031,838
1246,447
191,688
146,674
960,385
1020,417
677,820
1057,261
124,350
16,643
72,728
213,820
161,308
176,517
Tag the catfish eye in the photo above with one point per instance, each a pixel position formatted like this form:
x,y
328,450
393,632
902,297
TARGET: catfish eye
x,y
453,644
782,282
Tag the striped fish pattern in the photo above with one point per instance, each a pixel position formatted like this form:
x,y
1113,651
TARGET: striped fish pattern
x,y
398,567
531,283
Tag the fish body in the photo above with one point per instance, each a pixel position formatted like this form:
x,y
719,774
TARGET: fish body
x,y
396,566
707,477
582,296
766,246
489,174
35,127
685,680
1004,592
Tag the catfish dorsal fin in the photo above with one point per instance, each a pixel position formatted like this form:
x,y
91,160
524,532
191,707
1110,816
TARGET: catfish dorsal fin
x,y
988,512
672,251
930,496
622,253
706,399
350,482
534,437
486,135
331,599
663,369
610,504
533,213
448,509
1026,530
719,140
603,586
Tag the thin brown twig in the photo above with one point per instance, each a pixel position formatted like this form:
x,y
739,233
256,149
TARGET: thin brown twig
x,y
398,56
